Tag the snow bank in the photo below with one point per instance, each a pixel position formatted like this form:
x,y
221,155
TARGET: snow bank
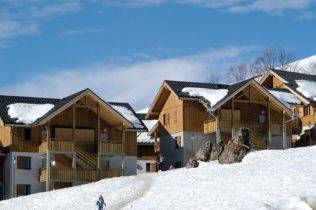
x,y
285,97
143,137
129,115
267,179
307,88
212,95
28,113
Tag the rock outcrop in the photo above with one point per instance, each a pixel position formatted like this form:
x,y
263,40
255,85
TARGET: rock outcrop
x,y
217,151
204,153
192,163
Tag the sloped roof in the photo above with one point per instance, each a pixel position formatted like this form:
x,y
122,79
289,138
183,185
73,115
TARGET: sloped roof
x,y
177,87
6,100
128,106
290,77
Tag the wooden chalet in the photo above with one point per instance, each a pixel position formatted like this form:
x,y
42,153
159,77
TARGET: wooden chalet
x,y
267,106
81,139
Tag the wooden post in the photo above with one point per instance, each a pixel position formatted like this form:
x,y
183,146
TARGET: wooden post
x,y
269,121
232,115
98,141
123,145
217,126
74,156
48,163
284,131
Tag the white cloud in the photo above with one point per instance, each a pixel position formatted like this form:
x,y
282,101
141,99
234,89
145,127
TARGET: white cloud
x,y
268,6
12,28
135,82
83,31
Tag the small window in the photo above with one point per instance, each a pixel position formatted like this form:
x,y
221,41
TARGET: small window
x,y
27,134
147,167
166,119
23,189
306,110
178,142
175,116
24,162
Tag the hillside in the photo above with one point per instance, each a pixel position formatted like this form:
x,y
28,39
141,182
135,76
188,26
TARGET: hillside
x,y
306,65
271,179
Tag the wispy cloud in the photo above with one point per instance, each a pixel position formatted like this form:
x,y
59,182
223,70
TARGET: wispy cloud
x,y
234,6
135,82
19,18
83,31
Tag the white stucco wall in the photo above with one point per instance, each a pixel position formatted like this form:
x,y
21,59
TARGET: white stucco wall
x,y
141,165
14,176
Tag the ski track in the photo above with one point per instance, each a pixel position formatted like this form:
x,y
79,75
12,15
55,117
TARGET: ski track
x,y
146,180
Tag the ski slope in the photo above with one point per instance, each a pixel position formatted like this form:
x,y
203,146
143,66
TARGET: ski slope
x,y
272,179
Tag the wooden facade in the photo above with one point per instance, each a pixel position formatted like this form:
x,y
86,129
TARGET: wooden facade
x,y
74,142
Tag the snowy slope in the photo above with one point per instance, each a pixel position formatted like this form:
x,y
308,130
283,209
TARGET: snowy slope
x,y
306,65
273,178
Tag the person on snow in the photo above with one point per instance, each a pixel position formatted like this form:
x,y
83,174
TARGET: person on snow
x,y
101,203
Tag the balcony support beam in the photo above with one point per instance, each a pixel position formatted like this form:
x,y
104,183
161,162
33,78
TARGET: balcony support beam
x,y
98,141
48,154
74,156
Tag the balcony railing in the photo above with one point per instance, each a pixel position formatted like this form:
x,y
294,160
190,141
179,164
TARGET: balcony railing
x,y
69,175
112,147
66,145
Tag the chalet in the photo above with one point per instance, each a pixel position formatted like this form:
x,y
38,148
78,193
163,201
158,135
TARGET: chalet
x,y
275,108
51,143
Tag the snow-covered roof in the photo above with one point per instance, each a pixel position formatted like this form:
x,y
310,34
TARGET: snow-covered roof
x,y
143,137
287,98
307,88
129,115
28,113
211,95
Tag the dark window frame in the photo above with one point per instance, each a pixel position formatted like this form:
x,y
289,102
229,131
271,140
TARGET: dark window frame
x,y
147,167
27,189
26,162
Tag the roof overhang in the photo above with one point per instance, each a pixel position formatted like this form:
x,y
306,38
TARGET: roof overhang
x,y
259,87
285,83
109,109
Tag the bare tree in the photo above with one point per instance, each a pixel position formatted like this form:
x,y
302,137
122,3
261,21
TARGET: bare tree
x,y
279,58
273,58
238,72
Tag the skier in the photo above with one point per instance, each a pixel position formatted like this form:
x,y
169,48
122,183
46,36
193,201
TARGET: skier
x,y
101,203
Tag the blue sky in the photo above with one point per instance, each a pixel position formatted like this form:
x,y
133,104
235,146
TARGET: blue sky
x,y
124,49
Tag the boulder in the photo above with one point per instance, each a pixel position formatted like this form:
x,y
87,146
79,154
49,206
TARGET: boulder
x,y
217,149
237,148
192,163
204,153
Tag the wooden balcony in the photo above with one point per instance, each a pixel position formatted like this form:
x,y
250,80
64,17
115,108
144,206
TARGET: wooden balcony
x,y
209,126
308,120
112,147
69,175
57,145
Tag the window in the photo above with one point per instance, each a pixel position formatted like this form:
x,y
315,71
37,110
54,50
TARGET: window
x,y
178,142
27,134
23,189
306,110
175,116
147,167
166,119
24,162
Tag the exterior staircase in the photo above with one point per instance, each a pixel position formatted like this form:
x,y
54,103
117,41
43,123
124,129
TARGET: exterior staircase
x,y
83,158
